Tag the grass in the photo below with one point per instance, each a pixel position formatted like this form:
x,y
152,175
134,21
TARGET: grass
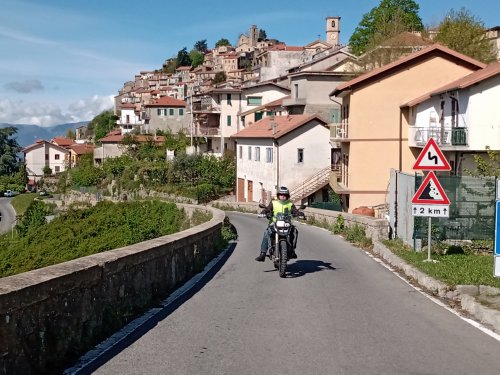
x,y
22,201
469,268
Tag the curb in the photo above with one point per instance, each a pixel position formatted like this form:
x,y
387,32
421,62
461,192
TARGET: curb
x,y
464,296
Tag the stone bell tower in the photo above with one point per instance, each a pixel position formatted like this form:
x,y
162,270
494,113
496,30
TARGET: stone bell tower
x,y
333,30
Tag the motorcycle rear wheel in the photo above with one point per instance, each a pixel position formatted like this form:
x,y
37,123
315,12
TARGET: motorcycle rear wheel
x,y
283,258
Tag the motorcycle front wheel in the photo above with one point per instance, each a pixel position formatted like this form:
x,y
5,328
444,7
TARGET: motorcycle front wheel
x,y
283,258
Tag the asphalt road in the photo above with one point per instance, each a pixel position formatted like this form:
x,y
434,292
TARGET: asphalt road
x,y
8,215
337,312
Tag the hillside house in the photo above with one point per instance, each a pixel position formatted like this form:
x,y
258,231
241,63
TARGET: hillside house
x,y
281,150
459,117
166,114
44,154
373,133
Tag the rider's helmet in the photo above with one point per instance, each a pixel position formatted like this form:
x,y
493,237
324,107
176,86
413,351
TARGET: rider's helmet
x,y
283,190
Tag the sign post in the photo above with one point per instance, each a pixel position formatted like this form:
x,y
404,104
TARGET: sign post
x,y
496,266
430,199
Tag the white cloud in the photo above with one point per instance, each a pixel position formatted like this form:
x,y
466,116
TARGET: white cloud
x,y
43,114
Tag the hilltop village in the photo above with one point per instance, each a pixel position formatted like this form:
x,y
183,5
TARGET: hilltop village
x,y
317,117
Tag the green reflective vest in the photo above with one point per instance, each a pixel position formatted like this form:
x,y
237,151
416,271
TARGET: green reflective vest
x,y
279,206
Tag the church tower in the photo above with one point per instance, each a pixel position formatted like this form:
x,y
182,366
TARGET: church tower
x,y
333,30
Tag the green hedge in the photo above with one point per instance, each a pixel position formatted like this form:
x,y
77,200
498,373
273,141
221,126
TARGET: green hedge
x,y
82,232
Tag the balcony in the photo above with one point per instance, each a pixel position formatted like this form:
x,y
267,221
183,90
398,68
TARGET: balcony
x,y
294,101
206,107
444,136
338,131
204,131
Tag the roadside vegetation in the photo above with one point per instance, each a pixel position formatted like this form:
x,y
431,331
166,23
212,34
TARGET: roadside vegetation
x,y
470,263
81,232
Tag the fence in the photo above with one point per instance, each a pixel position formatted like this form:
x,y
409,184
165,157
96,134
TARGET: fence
x,y
471,215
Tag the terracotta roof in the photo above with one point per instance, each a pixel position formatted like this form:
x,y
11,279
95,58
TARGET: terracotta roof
x,y
404,61
62,141
461,83
284,125
183,68
167,101
112,138
42,142
283,47
127,105
81,149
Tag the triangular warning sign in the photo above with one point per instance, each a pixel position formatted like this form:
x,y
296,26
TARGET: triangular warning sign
x,y
430,192
431,158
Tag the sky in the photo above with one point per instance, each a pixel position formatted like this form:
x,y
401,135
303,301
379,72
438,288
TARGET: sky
x,y
63,61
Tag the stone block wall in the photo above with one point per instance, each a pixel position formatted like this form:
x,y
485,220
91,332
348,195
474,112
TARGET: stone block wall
x,y
375,228
49,317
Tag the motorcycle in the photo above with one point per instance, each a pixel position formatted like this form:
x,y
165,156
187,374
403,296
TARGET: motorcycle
x,y
281,245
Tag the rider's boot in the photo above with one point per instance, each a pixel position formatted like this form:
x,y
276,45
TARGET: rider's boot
x,y
261,257
293,255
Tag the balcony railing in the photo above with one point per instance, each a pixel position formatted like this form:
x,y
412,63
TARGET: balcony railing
x,y
444,136
202,131
338,130
202,107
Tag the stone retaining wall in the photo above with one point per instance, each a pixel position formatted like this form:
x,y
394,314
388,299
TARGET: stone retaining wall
x,y
49,317
375,229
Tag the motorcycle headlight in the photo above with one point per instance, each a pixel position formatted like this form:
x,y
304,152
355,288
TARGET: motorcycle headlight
x,y
282,224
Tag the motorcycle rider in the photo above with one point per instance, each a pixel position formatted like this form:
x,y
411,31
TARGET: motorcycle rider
x,y
275,206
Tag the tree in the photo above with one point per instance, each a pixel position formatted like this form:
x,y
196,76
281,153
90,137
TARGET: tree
x,y
169,66
219,77
183,58
222,42
201,46
463,32
70,133
102,124
9,162
486,167
196,57
380,23
262,35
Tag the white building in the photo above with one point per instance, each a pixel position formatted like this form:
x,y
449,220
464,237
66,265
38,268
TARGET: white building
x,y
44,154
460,116
277,151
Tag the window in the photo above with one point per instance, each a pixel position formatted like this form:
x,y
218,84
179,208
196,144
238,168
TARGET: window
x,y
296,89
254,100
228,120
228,99
57,168
249,152
240,151
57,156
300,155
170,111
181,112
158,111
257,153
269,154
46,156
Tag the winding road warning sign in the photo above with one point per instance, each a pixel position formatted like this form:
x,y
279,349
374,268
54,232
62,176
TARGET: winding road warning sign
x,y
431,158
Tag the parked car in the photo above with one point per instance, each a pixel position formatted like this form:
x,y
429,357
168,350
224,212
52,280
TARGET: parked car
x,y
8,193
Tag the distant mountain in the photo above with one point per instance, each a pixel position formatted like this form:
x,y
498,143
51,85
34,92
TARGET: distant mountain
x,y
27,134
